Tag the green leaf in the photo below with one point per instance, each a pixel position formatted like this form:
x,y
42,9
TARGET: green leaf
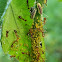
x,y
2,6
16,25
12,22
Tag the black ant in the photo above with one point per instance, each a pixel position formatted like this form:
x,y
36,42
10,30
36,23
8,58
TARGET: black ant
x,y
28,4
22,18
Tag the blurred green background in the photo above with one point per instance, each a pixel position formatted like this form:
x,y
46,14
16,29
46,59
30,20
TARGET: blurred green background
x,y
53,36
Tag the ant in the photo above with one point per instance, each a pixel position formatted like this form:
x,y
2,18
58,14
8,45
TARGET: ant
x,y
16,33
7,33
22,18
13,43
12,56
28,4
16,39
44,20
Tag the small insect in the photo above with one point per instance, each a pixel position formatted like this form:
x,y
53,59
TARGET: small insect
x,y
7,33
44,20
16,33
28,4
13,43
23,53
39,8
33,13
22,18
12,56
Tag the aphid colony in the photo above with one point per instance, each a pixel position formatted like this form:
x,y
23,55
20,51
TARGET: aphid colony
x,y
36,29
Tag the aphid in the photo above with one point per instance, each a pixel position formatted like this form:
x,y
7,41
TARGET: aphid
x,y
39,8
23,53
7,33
33,13
27,4
44,20
12,56
22,18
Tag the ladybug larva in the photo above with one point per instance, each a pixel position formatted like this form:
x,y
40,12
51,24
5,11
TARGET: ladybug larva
x,y
39,8
33,13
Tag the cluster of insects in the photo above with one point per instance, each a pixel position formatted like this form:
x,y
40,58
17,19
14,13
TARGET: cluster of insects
x,y
35,34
